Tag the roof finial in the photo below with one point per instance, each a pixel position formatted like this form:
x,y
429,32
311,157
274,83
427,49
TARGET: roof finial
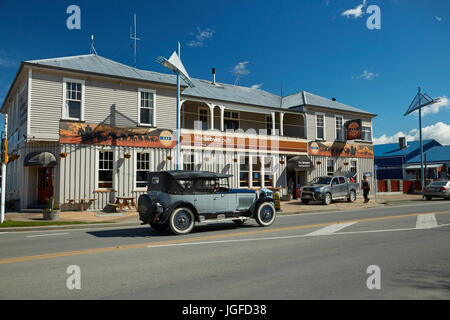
x,y
93,51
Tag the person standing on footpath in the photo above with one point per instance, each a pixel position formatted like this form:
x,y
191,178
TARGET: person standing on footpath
x,y
366,189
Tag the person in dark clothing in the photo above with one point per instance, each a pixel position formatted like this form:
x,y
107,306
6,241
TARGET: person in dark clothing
x,y
366,189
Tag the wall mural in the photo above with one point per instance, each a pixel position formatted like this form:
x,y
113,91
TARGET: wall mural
x,y
340,149
103,134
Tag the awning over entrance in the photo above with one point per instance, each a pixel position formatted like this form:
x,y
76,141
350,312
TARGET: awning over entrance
x,y
429,166
300,163
44,158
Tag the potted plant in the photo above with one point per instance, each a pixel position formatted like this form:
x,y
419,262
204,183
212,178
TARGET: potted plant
x,y
52,211
127,155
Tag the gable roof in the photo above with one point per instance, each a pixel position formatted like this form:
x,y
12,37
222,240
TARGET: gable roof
x,y
99,65
411,151
435,154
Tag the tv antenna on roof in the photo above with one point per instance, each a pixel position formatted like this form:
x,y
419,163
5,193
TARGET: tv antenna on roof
x,y
135,38
92,50
239,70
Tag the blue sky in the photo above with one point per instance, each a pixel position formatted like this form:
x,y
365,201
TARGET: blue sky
x,y
305,45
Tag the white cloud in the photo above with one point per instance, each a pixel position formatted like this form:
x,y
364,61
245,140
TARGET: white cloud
x,y
439,131
6,60
438,18
200,37
444,104
257,86
355,13
366,75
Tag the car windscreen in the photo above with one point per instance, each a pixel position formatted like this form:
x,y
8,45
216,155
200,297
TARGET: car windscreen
x,y
321,180
438,183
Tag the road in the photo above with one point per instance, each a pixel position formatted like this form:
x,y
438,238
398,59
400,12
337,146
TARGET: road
x,y
309,256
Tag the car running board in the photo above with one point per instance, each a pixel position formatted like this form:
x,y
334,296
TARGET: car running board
x,y
220,219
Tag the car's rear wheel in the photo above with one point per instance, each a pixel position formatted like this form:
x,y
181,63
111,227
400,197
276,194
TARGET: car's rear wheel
x,y
327,199
305,201
181,221
428,198
352,196
265,215
158,226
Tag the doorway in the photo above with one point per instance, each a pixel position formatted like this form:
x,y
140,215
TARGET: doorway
x,y
45,184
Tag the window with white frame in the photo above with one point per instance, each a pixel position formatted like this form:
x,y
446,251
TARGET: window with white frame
x,y
330,167
244,171
73,99
203,118
320,126
366,134
188,160
142,167
354,166
256,171
105,169
231,120
339,128
147,107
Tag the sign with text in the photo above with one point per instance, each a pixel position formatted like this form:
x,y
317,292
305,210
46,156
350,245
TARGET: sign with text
x,y
353,129
340,149
103,134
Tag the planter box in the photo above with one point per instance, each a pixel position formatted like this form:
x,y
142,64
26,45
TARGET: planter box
x,y
52,215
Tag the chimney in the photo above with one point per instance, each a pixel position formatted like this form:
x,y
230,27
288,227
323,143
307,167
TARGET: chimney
x,y
402,143
333,99
214,75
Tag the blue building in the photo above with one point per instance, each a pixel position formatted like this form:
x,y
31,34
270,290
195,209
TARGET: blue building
x,y
392,160
437,164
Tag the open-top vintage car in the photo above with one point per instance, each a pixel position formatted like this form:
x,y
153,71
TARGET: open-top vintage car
x,y
178,199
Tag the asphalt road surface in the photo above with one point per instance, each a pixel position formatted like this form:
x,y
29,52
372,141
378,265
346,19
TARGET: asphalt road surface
x,y
307,256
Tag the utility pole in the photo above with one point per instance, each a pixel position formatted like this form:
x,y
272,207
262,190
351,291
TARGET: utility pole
x,y
178,113
135,38
4,162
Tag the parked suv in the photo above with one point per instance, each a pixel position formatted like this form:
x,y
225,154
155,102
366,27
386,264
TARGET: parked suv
x,y
178,199
329,188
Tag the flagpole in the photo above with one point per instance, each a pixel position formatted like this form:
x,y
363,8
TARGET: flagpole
x,y
178,114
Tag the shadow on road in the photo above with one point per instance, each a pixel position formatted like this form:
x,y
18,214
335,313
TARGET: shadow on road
x,y
148,232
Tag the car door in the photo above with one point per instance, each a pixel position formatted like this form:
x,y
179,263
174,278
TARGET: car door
x,y
343,187
335,188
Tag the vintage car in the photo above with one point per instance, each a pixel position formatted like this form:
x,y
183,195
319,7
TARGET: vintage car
x,y
329,188
178,199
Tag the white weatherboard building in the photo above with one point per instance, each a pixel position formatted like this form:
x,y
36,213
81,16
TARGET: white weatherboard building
x,y
89,128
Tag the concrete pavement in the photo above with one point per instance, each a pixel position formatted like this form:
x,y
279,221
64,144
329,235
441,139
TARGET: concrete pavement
x,y
296,258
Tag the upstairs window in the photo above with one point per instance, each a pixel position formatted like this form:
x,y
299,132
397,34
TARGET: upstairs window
x,y
147,107
231,120
203,118
269,125
320,126
339,128
73,99
366,134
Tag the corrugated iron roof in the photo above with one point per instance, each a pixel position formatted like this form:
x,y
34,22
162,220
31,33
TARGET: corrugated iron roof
x,y
435,154
203,89
412,150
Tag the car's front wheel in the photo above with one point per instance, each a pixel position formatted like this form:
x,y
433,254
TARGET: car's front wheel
x,y
181,221
327,199
265,215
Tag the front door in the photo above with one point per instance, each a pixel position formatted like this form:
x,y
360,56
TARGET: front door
x,y
45,184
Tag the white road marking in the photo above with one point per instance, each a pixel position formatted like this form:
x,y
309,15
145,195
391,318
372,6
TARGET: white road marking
x,y
283,237
331,229
3,232
426,221
48,234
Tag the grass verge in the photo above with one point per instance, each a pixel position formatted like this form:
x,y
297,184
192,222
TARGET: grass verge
x,y
12,223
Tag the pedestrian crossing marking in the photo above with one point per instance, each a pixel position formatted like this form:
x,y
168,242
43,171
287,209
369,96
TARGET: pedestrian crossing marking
x,y
426,221
331,229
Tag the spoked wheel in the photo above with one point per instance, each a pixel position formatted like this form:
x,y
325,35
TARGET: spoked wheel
x,y
181,221
327,199
265,215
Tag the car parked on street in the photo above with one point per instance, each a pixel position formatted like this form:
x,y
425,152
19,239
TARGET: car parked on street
x,y
329,188
438,189
178,199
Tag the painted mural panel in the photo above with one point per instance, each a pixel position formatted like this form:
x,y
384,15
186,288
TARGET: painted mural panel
x,y
340,149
